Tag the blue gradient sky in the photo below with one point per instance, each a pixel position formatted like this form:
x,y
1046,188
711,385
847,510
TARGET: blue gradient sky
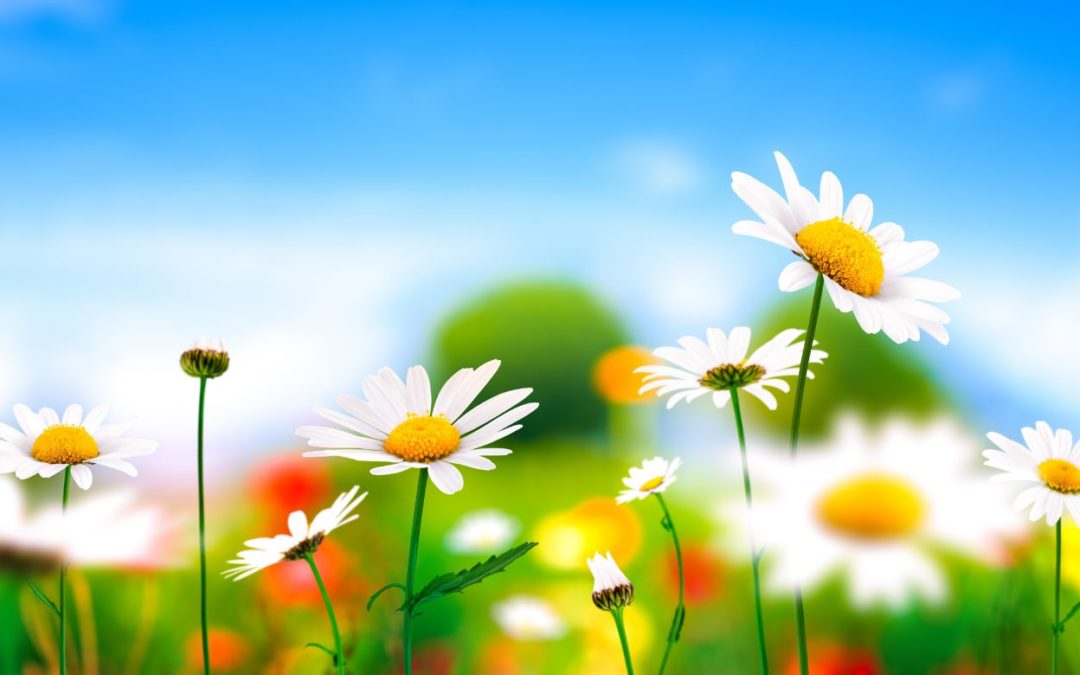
x,y
315,179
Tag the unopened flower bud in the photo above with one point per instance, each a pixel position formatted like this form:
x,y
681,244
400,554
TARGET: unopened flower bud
x,y
207,359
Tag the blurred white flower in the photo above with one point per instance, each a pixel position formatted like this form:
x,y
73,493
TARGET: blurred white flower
x,y
113,531
1049,459
525,617
874,506
653,476
488,531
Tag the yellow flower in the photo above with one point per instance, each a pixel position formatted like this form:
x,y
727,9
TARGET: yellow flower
x,y
569,537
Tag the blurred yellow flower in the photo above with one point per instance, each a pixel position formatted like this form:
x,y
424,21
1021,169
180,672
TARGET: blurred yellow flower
x,y
602,653
1070,553
597,524
614,375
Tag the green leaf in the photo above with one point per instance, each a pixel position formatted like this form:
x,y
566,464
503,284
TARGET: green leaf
x,y
456,582
376,594
676,624
40,594
1060,628
330,652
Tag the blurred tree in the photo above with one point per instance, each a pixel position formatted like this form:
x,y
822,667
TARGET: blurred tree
x,y
868,374
549,335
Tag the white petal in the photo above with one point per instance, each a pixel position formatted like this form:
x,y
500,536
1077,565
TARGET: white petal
x,y
446,477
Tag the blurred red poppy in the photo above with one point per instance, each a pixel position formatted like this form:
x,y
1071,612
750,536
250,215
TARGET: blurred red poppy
x,y
292,583
287,483
228,649
705,574
835,659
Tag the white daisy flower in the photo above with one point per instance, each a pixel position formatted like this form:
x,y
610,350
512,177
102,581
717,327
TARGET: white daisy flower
x,y
397,424
304,538
524,617
611,588
487,531
652,477
110,531
721,364
876,506
1048,459
46,444
865,269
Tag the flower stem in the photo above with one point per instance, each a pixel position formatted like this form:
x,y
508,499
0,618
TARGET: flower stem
x,y
414,549
63,573
339,658
755,558
202,535
1057,602
617,614
796,418
680,609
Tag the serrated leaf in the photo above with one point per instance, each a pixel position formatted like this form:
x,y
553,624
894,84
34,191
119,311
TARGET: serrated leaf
x,y
40,594
456,582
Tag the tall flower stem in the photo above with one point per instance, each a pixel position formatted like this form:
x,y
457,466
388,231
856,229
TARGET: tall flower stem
x,y
202,534
680,609
796,418
63,573
755,558
414,550
339,658
1057,602
617,614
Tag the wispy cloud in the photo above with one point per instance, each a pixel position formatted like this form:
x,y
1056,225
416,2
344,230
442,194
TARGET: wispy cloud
x,y
658,166
71,10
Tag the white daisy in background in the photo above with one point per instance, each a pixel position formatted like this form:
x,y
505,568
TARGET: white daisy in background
x,y
303,540
113,531
875,506
1048,459
488,531
525,617
652,477
398,425
865,269
46,444
721,364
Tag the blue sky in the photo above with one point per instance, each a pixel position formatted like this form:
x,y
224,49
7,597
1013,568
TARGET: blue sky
x,y
326,177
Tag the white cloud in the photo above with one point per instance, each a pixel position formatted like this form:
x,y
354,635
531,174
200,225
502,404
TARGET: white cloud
x,y
657,166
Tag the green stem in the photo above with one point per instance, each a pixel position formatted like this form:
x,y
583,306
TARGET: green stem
x,y
796,418
63,573
414,550
202,535
339,659
755,559
617,613
680,609
1057,603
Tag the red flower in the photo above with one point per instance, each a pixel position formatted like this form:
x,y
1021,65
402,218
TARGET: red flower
x,y
292,583
705,573
288,483
835,659
228,649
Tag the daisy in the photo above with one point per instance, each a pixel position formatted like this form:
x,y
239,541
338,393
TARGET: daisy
x,y
1047,458
301,543
721,365
46,444
397,424
652,477
876,506
524,617
303,539
487,531
612,592
865,270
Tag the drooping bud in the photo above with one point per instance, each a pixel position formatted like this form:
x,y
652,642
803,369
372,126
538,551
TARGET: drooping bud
x,y
207,359
611,589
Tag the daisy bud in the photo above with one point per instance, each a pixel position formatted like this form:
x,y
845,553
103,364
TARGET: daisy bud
x,y
206,359
611,589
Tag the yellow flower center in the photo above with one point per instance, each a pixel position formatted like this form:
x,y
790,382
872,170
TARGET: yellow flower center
x,y
845,254
1060,475
872,507
423,439
651,484
64,444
